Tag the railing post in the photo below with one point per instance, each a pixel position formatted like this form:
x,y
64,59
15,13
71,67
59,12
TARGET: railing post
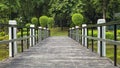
x,y
83,34
73,36
40,34
22,48
37,35
32,33
44,32
77,33
47,32
70,32
27,38
12,35
87,38
101,34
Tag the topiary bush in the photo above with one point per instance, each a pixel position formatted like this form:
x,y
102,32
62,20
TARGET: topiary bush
x,y
50,22
43,21
34,20
77,19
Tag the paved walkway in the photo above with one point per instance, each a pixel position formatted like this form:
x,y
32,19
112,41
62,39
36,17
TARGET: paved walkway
x,y
57,52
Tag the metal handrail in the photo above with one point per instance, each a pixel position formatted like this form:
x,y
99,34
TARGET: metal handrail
x,y
114,42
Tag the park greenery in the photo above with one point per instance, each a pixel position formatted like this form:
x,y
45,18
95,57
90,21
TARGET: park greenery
x,y
60,13
61,10
77,19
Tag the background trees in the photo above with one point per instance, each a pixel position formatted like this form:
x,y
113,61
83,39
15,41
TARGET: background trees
x,y
60,10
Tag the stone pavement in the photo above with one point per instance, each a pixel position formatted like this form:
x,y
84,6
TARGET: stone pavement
x,y
57,52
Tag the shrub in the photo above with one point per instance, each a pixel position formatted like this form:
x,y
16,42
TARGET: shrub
x,y
27,25
19,34
34,20
6,37
109,35
77,19
43,21
2,33
50,22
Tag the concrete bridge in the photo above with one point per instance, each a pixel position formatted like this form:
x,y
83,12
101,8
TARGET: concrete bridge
x,y
57,52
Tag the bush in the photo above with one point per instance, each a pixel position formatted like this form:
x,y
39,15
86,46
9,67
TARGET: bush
x,y
2,33
19,34
34,20
43,21
109,35
27,25
50,22
6,37
77,19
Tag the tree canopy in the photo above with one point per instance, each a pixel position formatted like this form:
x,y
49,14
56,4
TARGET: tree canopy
x,y
60,10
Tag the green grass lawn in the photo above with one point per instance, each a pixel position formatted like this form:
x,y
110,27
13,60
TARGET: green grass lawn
x,y
109,51
58,32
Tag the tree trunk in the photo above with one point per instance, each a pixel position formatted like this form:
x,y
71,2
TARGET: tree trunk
x,y
104,9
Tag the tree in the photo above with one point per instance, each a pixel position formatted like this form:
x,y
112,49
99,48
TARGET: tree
x,y
62,11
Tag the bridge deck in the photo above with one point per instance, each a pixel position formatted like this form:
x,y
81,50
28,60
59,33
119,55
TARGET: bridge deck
x,y
57,52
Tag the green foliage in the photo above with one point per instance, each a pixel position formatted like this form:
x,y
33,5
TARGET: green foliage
x,y
77,19
6,37
34,20
43,21
50,22
2,33
19,34
27,25
109,34
57,32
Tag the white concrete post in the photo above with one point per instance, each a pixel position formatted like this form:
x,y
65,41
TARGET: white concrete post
x,y
84,32
47,32
70,32
77,33
86,35
44,32
103,37
12,35
73,32
32,33
40,34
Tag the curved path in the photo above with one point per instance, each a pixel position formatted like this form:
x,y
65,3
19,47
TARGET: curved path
x,y
57,52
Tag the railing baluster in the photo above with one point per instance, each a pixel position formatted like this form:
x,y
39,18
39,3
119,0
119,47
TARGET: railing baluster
x,y
87,38
37,35
101,41
27,38
12,37
22,40
115,46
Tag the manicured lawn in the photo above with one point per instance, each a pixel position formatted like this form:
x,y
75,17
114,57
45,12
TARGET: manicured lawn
x,y
58,32
109,51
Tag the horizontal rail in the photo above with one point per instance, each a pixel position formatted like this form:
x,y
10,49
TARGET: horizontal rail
x,y
7,41
103,24
104,40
